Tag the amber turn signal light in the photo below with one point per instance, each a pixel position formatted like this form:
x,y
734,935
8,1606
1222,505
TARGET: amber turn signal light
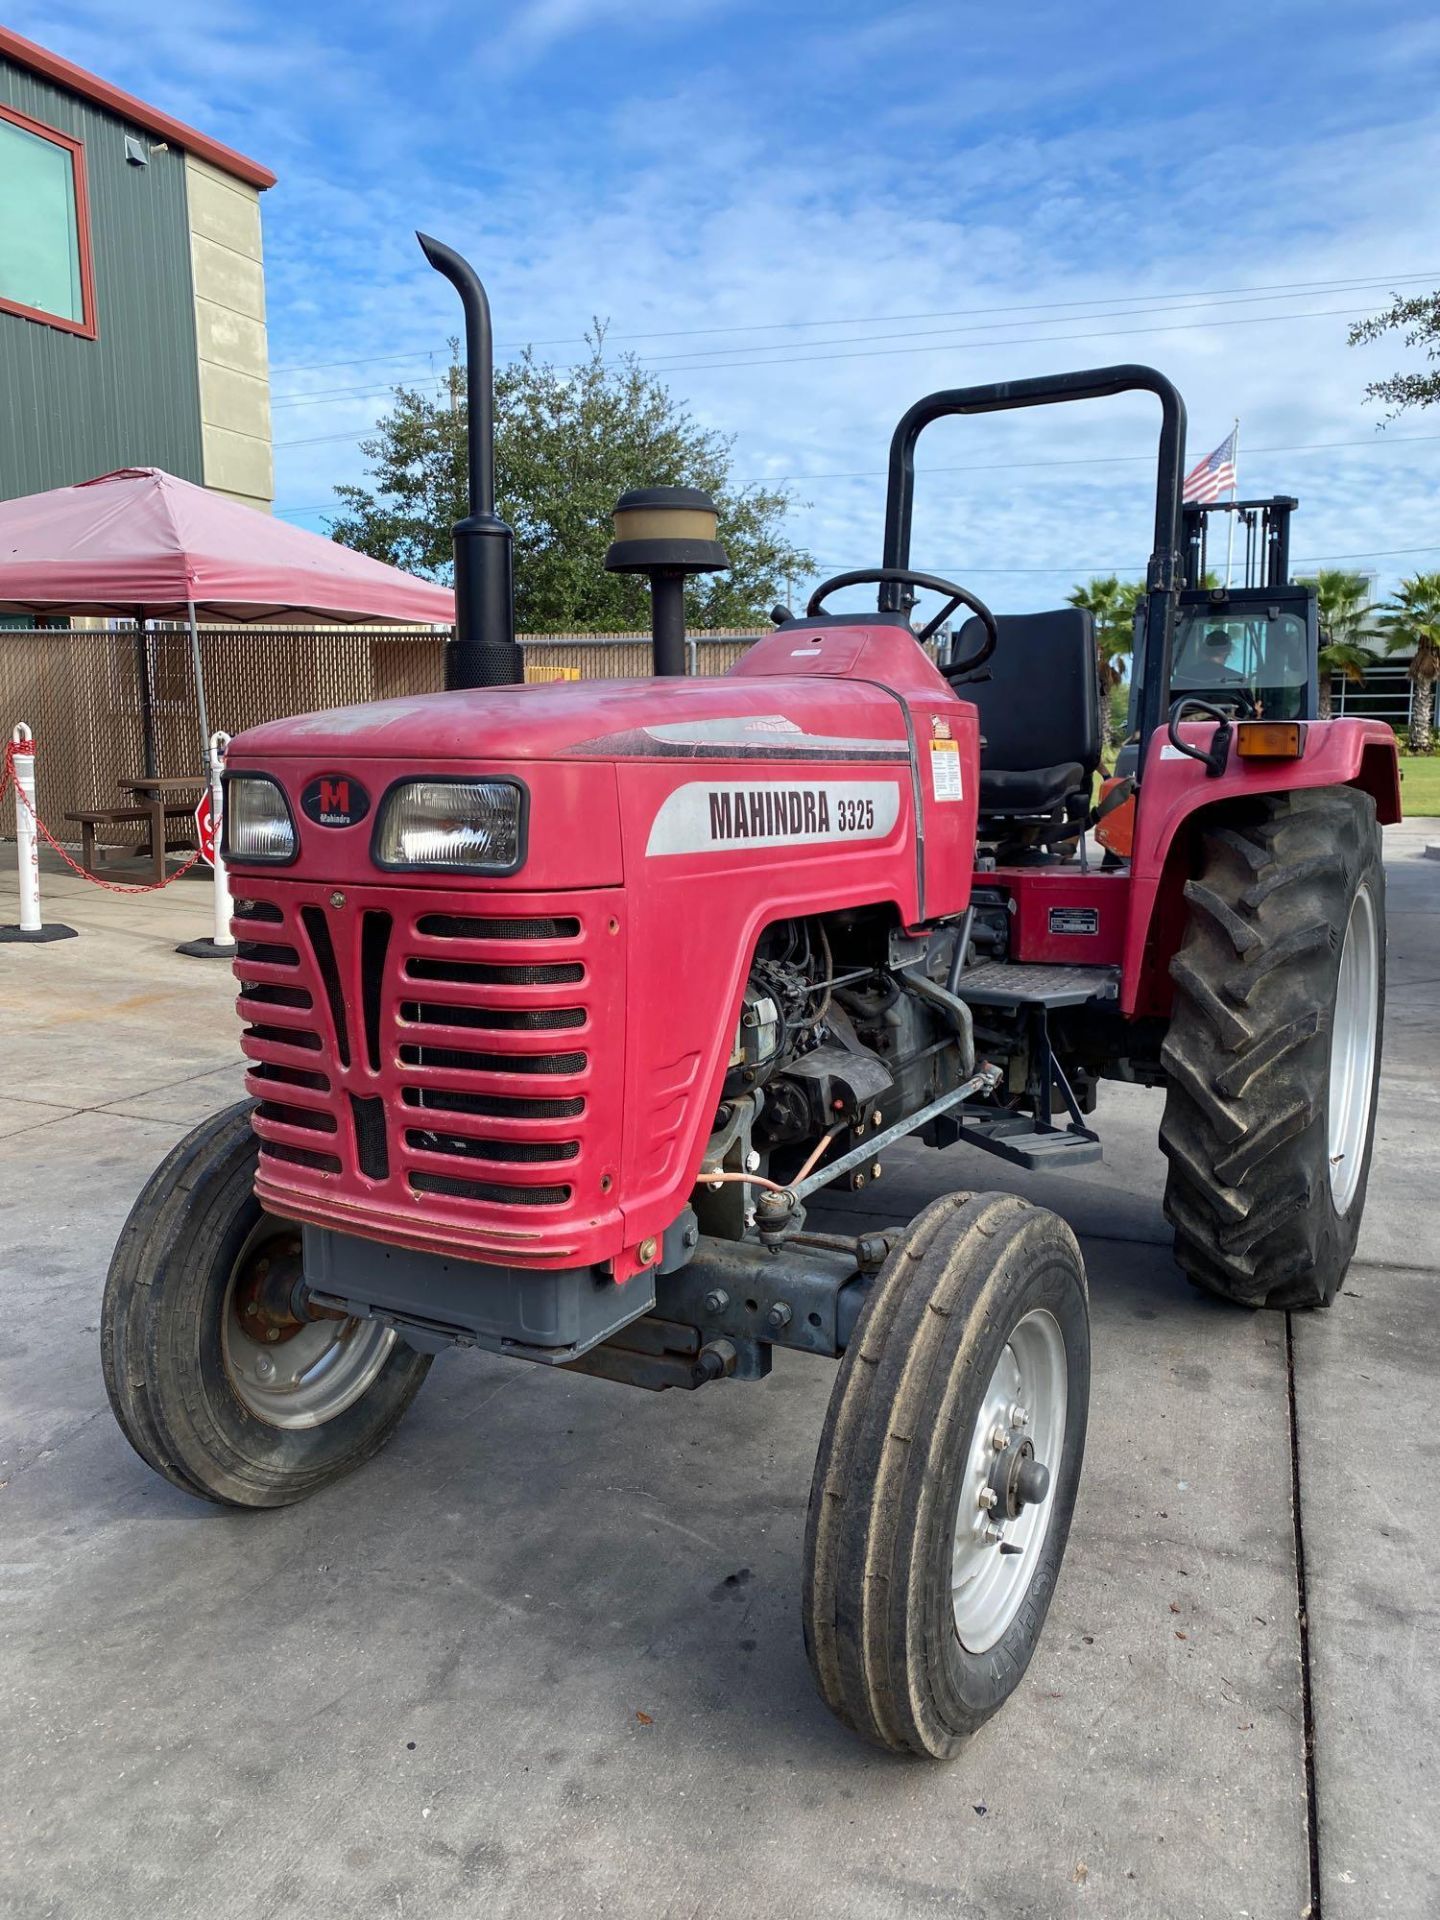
x,y
1269,739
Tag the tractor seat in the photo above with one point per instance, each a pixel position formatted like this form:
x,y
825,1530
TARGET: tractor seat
x,y
1039,714
1036,790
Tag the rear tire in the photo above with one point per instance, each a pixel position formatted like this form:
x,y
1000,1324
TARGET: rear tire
x,y
917,1626
244,1405
1274,1046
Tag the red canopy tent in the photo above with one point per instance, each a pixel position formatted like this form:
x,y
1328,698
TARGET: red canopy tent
x,y
140,539
141,544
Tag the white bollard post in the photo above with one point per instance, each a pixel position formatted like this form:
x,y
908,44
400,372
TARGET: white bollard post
x,y
219,743
27,841
220,945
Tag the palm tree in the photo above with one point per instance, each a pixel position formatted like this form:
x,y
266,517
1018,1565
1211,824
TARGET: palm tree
x,y
1111,602
1344,613
1412,625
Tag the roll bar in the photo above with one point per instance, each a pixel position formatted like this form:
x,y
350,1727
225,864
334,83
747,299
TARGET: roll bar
x,y
1164,573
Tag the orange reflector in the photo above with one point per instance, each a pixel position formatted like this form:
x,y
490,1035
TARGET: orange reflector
x,y
1269,739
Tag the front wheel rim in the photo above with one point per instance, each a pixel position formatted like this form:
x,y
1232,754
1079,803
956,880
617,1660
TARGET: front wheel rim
x,y
295,1374
1352,1050
996,1556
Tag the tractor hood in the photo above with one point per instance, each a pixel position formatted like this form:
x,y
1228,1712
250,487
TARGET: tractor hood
x,y
770,717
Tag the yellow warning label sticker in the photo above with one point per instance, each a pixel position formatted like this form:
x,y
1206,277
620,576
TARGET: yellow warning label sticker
x,y
945,769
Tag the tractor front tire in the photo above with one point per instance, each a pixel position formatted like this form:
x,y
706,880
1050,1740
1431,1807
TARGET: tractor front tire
x,y
1274,1045
219,1378
947,1473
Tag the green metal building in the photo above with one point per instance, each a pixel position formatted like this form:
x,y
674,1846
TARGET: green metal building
x,y
132,294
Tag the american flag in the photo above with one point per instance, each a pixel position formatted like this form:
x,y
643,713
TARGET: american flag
x,y
1213,475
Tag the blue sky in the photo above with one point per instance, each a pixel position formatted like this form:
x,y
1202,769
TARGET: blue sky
x,y
804,216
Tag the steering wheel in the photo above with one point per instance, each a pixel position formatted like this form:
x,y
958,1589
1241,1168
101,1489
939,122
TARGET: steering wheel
x,y
955,597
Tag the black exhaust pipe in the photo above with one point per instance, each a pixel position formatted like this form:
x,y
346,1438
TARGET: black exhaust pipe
x,y
484,652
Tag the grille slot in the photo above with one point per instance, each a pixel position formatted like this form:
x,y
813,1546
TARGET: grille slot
x,y
372,1148
324,950
266,996
286,1037
274,1075
514,1150
257,910
315,1118
458,926
374,942
462,1062
488,1190
492,1106
261,950
484,973
299,1156
503,1019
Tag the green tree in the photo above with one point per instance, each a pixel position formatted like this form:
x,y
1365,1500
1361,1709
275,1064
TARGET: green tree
x,y
1411,624
1112,603
1417,317
568,443
1345,613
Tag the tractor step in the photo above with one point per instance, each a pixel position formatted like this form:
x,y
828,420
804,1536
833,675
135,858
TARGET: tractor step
x,y
1027,1142
1000,983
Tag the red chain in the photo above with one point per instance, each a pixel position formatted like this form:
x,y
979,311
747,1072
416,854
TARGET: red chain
x,y
13,748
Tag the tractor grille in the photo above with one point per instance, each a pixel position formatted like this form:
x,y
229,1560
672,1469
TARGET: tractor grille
x,y
436,1062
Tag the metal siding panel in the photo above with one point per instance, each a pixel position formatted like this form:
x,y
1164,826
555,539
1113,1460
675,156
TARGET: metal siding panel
x,y
131,398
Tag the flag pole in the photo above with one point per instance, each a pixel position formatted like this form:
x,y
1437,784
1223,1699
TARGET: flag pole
x,y
1234,496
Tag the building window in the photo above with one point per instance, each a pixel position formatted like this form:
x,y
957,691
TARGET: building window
x,y
45,271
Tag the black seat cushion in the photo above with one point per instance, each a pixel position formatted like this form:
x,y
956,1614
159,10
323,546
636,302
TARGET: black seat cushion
x,y
1039,712
1038,790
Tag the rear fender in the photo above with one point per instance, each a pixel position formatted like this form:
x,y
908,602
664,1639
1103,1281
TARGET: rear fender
x,y
1178,800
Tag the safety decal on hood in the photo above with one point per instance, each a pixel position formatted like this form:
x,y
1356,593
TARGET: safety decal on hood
x,y
708,816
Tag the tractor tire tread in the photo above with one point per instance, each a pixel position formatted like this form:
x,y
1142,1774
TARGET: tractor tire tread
x,y
1247,1054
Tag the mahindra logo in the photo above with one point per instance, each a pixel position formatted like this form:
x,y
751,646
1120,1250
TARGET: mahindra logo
x,y
334,800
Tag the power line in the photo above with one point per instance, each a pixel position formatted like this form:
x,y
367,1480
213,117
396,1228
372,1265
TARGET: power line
x,y
958,313
963,346
1003,466
792,348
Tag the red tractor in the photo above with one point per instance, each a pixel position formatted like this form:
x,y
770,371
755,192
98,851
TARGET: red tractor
x,y
564,1003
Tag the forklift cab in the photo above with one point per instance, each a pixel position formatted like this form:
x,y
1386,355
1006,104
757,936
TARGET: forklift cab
x,y
1256,648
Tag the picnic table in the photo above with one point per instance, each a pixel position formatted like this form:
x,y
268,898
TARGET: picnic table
x,y
158,800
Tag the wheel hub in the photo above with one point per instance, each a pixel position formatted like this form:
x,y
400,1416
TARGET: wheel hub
x,y
1017,1442
290,1363
1352,1050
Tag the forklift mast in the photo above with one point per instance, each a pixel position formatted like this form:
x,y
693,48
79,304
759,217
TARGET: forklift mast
x,y
1265,528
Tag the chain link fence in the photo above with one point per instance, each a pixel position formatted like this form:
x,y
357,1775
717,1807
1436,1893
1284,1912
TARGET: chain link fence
x,y
107,705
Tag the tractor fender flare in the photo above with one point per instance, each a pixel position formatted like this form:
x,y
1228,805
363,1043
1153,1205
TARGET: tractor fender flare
x,y
1177,799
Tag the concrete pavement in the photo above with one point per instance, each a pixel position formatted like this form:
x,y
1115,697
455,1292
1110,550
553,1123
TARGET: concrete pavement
x,y
543,1657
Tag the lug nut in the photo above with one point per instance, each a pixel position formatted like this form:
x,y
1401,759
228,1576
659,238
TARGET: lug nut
x,y
273,1333
252,1308
1019,1416
988,1498
999,1439
993,1537
780,1315
717,1300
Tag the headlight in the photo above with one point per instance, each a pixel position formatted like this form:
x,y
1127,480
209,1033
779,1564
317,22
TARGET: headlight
x,y
474,825
257,823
